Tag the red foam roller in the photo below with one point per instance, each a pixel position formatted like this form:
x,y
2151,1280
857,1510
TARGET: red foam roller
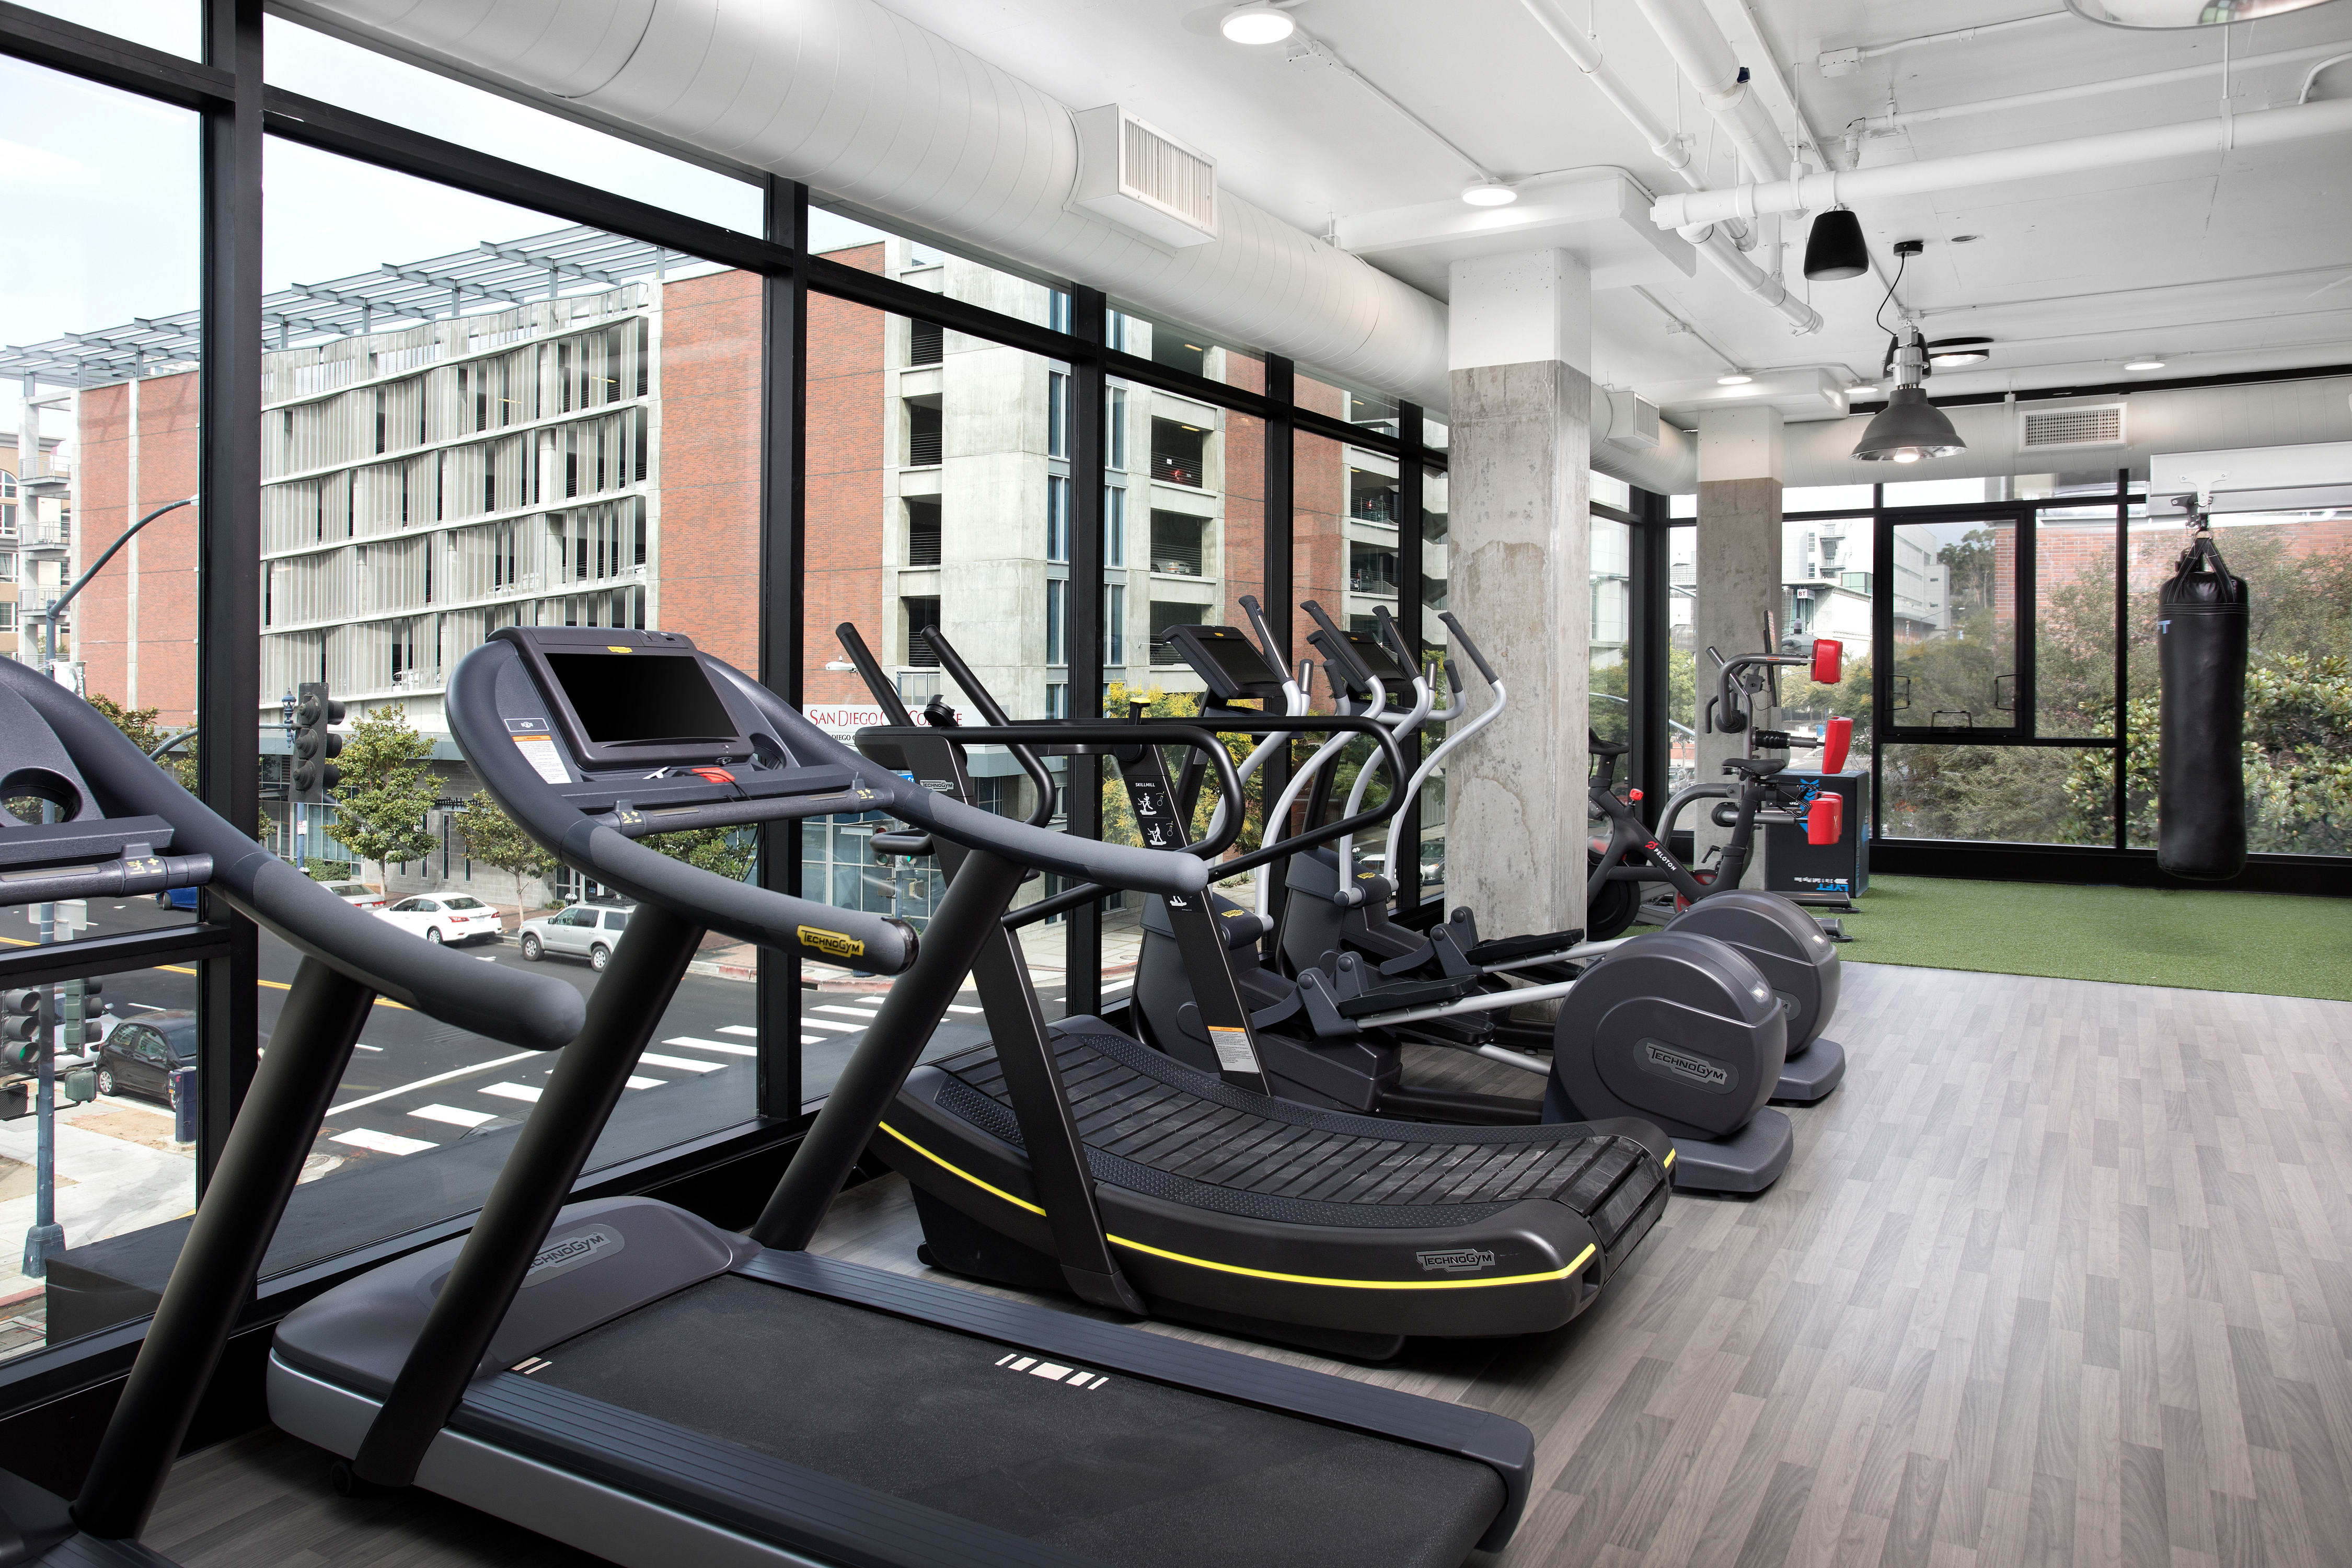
x,y
1829,661
1826,819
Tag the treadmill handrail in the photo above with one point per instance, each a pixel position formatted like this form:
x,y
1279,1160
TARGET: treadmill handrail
x,y
537,1012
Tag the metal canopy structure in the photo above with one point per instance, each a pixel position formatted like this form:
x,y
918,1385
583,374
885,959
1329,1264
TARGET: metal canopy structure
x,y
490,277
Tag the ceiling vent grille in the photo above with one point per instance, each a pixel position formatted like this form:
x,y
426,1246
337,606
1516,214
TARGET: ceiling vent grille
x,y
1136,175
2074,427
1632,422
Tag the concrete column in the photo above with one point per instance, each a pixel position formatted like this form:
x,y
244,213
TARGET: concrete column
x,y
1738,572
1518,575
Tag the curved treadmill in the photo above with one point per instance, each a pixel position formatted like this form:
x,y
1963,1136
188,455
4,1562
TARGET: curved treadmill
x,y
625,1377
1217,1202
98,819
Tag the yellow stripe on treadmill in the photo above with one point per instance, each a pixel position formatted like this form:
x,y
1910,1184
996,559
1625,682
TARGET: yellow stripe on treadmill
x,y
1574,1267
1668,1163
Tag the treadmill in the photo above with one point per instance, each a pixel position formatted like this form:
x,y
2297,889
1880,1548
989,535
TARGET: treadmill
x,y
1218,1202
625,1377
94,817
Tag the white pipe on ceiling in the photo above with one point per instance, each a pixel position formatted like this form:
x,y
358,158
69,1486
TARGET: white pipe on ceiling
x,y
1855,187
1719,243
863,105
1834,61
1704,56
1897,119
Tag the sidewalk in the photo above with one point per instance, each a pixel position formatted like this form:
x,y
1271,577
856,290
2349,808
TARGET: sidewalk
x,y
117,1170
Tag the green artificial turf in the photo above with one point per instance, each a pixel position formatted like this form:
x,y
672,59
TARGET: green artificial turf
x,y
2274,943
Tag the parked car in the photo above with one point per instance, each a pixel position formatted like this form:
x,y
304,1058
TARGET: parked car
x,y
359,895
589,930
138,1053
445,918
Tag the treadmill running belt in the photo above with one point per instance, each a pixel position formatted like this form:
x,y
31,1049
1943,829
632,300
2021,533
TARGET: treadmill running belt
x,y
1155,1126
1132,1473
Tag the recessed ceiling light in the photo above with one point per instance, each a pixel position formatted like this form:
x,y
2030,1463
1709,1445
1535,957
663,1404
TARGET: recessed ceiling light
x,y
1488,193
2144,362
1259,24
1945,354
1737,378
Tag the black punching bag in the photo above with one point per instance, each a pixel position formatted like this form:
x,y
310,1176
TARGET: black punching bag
x,y
2200,639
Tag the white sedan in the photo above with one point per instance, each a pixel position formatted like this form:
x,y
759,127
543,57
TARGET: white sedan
x,y
445,918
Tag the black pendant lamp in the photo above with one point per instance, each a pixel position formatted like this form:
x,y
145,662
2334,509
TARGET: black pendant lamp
x,y
1835,248
1909,428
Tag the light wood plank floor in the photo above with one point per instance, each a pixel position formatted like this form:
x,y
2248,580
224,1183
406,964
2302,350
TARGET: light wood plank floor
x,y
2059,1277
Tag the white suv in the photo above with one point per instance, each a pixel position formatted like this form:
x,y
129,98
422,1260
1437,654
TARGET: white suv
x,y
582,931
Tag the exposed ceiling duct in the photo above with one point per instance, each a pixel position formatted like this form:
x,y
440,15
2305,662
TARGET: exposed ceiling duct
x,y
2042,160
862,104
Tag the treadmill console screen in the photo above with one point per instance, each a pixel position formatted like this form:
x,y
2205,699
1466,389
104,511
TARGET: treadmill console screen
x,y
634,701
625,699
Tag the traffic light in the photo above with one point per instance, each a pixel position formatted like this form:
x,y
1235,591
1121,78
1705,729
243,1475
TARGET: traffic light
x,y
24,1027
80,1011
313,774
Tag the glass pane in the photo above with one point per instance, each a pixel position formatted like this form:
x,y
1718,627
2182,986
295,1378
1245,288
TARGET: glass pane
x,y
453,442
2047,794
176,25
1436,433
1825,585
1607,490
99,414
2074,622
1131,329
333,71
921,264
2298,573
1682,656
1944,492
935,499
1613,603
1437,507
2049,487
1954,587
1325,394
120,1182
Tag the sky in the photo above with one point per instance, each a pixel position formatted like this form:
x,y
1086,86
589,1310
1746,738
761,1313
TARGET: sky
x,y
98,189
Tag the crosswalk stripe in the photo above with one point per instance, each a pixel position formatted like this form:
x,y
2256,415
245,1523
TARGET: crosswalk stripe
x,y
828,1024
453,1115
864,1012
522,1092
384,1142
725,1048
813,1039
683,1064
646,1082
959,1007
738,1029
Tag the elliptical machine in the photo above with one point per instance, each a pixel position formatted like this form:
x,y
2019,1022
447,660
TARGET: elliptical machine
x,y
1675,1027
1789,946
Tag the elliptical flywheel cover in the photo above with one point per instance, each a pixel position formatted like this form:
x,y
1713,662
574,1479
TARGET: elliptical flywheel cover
x,y
1779,938
1676,1028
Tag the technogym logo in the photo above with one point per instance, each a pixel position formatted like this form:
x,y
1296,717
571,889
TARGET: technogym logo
x,y
566,1253
1456,1260
1685,1066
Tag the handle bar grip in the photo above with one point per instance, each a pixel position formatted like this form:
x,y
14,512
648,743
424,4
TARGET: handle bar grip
x,y
869,668
991,709
1468,646
1391,635
1276,655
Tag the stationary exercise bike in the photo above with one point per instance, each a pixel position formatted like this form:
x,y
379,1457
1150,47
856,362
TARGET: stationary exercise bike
x,y
1789,945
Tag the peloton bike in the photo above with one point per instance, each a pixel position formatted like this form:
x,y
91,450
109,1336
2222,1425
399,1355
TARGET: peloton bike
x,y
624,1376
84,813
1789,946
1673,1027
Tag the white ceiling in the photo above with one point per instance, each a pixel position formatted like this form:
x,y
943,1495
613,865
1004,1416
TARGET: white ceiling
x,y
2235,262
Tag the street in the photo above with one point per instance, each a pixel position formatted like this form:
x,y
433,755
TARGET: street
x,y
415,1090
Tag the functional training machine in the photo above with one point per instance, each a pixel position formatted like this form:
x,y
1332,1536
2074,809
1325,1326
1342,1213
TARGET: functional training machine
x,y
1789,946
1214,1200
1677,1028
84,813
625,1377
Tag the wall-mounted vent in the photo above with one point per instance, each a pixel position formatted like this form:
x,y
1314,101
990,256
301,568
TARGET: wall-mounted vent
x,y
1136,175
1633,421
2073,426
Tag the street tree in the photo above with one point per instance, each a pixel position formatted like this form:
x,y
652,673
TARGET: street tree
x,y
498,840
387,787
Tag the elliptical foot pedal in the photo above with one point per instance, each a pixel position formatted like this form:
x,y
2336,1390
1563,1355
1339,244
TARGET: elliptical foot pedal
x,y
1812,1074
1747,1162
